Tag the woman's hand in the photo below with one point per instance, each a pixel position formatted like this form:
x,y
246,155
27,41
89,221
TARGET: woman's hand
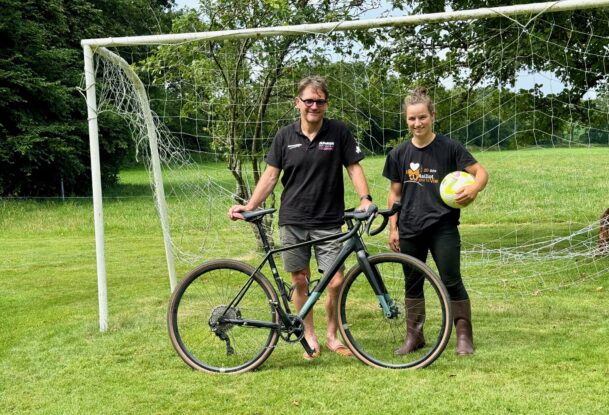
x,y
394,240
466,195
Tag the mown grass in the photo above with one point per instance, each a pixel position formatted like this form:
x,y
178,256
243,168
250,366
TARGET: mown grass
x,y
540,326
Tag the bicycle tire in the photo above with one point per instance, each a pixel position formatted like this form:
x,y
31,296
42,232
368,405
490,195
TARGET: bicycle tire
x,y
199,300
374,338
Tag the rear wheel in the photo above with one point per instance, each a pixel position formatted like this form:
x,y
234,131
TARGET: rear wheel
x,y
199,305
373,337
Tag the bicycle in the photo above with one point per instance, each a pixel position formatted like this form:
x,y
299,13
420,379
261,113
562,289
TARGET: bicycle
x,y
225,316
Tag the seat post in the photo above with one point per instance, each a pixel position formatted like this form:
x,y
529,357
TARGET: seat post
x,y
262,233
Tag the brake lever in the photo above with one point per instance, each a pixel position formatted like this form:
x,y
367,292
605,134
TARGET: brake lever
x,y
386,214
369,224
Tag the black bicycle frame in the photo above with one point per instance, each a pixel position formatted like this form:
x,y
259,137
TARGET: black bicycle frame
x,y
353,243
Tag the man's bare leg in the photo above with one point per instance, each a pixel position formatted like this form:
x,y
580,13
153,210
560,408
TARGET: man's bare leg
x,y
300,281
333,342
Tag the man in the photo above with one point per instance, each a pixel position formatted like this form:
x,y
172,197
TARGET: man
x,y
311,153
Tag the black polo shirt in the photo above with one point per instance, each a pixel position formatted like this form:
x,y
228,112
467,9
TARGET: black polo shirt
x,y
313,190
420,171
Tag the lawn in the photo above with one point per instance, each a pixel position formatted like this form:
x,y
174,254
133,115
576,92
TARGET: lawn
x,y
539,303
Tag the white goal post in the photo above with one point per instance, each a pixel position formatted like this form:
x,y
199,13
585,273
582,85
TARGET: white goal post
x,y
100,47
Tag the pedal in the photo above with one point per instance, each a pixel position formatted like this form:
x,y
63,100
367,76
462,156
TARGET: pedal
x,y
305,345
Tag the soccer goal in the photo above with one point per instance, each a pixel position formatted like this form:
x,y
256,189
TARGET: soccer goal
x,y
510,82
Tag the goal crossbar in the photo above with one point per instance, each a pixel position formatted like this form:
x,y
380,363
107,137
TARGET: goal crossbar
x,y
409,20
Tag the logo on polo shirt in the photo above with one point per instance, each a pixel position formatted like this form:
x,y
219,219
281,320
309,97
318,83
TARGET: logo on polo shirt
x,y
293,146
326,145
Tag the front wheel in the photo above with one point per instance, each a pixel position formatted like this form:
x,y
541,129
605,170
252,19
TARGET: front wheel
x,y
377,339
200,307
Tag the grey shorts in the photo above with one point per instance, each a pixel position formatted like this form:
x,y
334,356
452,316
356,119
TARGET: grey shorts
x,y
298,259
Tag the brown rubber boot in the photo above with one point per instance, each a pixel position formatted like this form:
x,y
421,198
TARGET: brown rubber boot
x,y
462,317
414,326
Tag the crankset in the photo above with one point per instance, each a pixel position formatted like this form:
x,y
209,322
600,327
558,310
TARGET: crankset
x,y
295,332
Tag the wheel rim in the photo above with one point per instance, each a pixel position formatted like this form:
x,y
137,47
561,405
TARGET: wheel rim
x,y
375,337
201,339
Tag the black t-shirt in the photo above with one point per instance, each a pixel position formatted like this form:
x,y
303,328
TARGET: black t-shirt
x,y
313,191
420,171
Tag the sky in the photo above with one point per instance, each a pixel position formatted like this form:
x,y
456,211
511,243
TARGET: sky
x,y
187,3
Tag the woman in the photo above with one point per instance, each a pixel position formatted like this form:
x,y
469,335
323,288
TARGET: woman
x,y
416,168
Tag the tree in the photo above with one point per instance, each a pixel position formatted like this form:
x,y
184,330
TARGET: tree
x,y
238,87
491,53
491,48
246,72
43,128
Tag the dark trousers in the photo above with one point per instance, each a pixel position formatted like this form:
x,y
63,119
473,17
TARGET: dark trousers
x,y
444,243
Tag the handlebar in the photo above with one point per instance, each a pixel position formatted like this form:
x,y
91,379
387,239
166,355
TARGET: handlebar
x,y
359,216
371,214
386,214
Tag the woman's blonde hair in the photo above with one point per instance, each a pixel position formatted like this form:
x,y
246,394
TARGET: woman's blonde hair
x,y
419,96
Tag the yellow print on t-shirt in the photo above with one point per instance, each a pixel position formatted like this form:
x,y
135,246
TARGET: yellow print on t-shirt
x,y
418,174
413,172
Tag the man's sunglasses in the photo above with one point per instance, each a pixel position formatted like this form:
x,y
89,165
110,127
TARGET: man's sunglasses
x,y
310,102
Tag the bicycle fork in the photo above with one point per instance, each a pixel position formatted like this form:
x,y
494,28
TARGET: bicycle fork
x,y
386,303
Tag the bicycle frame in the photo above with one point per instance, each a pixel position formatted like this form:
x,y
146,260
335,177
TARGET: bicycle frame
x,y
353,244
373,323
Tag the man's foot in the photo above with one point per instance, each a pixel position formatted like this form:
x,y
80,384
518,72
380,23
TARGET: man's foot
x,y
315,355
342,350
339,348
313,344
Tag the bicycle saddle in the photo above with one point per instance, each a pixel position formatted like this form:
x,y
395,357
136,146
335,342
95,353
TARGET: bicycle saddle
x,y
255,214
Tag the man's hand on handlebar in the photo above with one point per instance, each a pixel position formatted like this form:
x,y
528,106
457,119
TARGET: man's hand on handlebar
x,y
364,205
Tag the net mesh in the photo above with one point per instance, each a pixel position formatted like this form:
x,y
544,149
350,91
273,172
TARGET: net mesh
x,y
527,95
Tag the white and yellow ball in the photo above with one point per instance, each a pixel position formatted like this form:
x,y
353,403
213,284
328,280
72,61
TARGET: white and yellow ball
x,y
451,184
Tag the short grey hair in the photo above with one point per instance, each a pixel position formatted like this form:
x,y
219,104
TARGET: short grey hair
x,y
316,82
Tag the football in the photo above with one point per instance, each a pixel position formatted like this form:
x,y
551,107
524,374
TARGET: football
x,y
451,184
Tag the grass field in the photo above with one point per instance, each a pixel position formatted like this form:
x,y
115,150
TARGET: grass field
x,y
540,325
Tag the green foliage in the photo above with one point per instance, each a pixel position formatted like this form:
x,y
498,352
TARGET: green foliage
x,y
234,95
490,48
230,97
43,120
483,59
500,118
239,112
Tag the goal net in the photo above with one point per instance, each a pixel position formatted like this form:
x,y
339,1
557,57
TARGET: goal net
x,y
523,87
